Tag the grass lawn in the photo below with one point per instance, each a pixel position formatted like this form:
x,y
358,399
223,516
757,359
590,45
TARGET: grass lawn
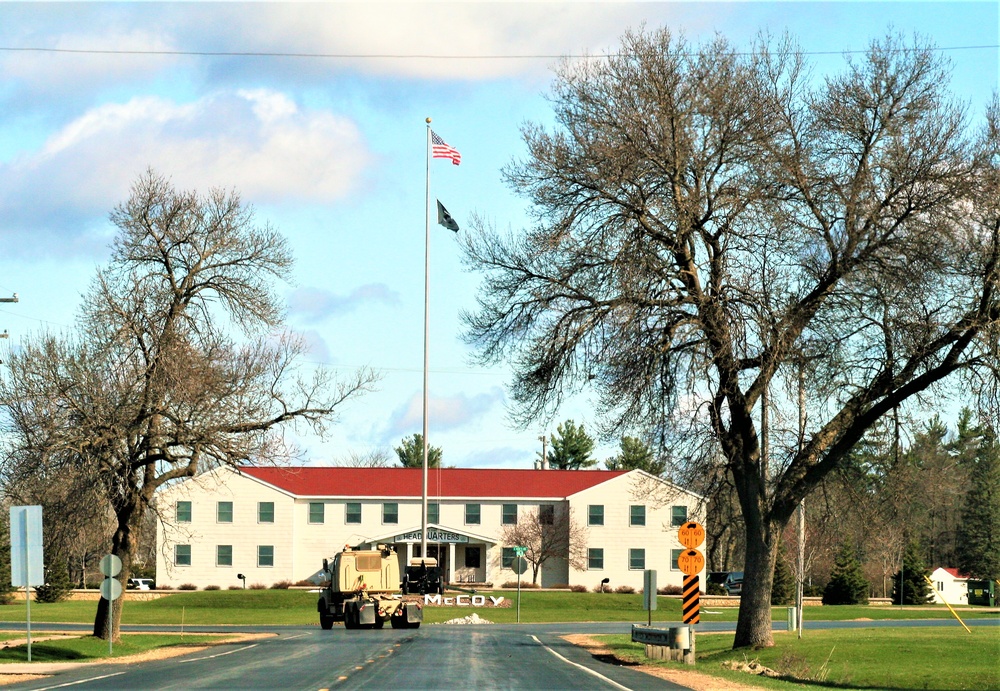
x,y
81,648
913,658
298,607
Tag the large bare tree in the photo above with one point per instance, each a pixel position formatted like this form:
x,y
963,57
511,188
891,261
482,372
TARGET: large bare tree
x,y
549,533
178,364
708,221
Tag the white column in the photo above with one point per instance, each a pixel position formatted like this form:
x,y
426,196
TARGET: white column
x,y
451,562
409,552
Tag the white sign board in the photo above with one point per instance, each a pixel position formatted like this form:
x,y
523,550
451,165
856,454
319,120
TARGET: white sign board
x,y
26,546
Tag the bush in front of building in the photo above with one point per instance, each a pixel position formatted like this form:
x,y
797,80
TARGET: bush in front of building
x,y
212,587
235,587
257,586
187,586
281,585
524,584
670,590
625,589
578,588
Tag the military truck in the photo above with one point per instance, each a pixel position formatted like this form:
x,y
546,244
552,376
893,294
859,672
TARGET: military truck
x,y
363,590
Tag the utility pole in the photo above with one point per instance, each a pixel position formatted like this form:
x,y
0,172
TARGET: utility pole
x,y
544,464
802,504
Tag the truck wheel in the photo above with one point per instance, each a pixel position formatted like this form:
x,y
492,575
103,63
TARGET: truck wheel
x,y
325,621
398,622
415,625
379,623
350,617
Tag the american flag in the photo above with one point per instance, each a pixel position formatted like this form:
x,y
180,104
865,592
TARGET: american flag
x,y
441,149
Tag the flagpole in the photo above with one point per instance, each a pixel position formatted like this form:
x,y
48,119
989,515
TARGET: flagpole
x,y
427,273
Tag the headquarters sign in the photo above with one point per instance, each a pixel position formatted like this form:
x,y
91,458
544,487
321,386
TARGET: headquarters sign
x,y
432,536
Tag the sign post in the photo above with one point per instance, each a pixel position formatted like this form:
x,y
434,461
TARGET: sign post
x,y
111,590
520,566
691,562
649,594
26,564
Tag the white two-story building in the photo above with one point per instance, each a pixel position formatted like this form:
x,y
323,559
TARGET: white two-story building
x,y
274,524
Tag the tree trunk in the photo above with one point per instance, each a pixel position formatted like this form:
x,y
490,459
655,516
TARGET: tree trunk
x,y
123,547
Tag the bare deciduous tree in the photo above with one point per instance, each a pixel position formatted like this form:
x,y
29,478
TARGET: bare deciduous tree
x,y
153,387
708,221
547,534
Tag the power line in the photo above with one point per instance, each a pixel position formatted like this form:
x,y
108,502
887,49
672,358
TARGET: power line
x,y
412,56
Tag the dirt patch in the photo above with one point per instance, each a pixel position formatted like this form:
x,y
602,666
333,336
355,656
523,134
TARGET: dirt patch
x,y
693,680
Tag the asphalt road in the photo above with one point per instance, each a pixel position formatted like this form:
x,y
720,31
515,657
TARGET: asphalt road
x,y
432,657
532,656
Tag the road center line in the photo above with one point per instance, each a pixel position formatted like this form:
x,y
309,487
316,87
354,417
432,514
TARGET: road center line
x,y
585,669
228,652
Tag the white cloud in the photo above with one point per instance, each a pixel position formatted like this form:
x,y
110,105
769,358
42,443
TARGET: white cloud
x,y
259,142
445,413
316,304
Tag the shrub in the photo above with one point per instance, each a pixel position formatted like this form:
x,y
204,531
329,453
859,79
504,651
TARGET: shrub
x,y
235,587
715,589
56,589
524,584
281,585
627,589
187,586
212,587
165,586
257,586
305,583
578,588
670,590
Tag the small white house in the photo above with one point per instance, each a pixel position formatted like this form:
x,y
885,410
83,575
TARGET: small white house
x,y
950,586
274,524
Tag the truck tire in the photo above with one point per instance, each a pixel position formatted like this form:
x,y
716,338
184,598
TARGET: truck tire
x,y
350,617
379,623
326,621
398,622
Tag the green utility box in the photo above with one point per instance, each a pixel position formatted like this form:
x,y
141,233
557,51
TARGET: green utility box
x,y
982,593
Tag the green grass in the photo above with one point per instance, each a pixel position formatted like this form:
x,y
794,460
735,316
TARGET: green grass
x,y
947,659
83,648
298,607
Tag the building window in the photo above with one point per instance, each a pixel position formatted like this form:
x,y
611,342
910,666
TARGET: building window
x,y
317,512
507,558
509,514
265,555
675,555
472,557
595,558
595,514
546,514
265,512
637,559
678,515
637,515
353,512
223,555
472,512
182,555
183,512
224,512
390,512
433,513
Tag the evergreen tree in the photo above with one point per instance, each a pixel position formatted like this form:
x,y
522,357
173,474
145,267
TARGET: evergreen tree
x,y
6,589
57,583
411,453
916,589
571,448
783,586
848,585
979,532
636,455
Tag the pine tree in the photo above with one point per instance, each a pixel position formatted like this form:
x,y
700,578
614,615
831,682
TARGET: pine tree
x,y
6,589
979,531
636,455
571,447
411,453
783,586
57,584
848,585
912,578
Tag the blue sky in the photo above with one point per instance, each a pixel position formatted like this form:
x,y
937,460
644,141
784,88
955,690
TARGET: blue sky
x,y
331,151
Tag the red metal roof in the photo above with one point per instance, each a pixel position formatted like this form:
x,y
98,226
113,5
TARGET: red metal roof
x,y
445,482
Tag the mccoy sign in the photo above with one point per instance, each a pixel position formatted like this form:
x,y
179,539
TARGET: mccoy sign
x,y
463,600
